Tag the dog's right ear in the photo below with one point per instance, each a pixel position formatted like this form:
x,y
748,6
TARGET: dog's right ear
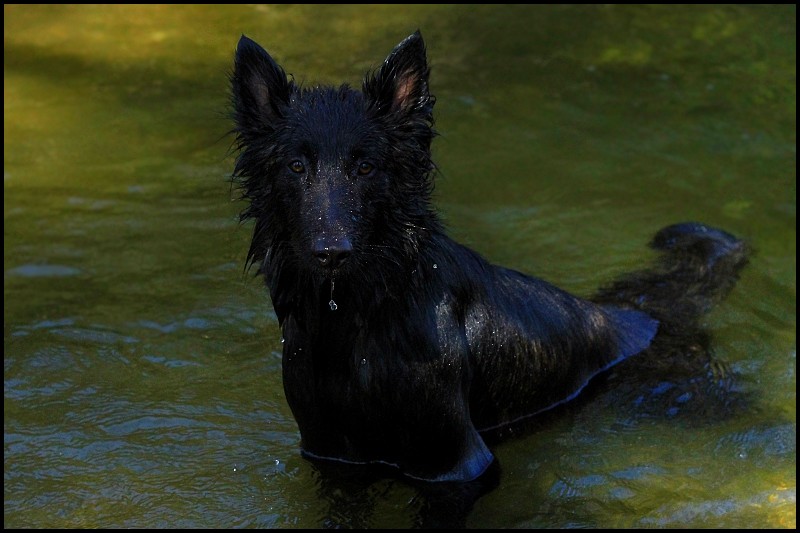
x,y
260,87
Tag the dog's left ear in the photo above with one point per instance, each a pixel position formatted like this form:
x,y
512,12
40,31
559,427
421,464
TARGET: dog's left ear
x,y
401,84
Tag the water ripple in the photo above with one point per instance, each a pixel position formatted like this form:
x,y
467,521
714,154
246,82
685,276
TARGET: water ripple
x,y
43,271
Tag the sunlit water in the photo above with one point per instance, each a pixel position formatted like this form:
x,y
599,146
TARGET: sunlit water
x,y
142,365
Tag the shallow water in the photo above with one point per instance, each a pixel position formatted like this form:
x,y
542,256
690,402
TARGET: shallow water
x,y
142,365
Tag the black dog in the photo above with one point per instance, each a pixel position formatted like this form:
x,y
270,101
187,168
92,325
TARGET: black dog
x,y
401,345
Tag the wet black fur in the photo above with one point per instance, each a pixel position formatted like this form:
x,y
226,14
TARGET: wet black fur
x,y
429,345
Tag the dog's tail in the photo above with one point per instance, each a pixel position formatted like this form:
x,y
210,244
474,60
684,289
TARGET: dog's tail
x,y
697,268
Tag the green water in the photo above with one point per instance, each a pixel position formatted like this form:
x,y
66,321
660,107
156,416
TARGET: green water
x,y
142,366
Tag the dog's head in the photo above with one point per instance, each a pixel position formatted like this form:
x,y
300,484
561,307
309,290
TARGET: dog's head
x,y
335,178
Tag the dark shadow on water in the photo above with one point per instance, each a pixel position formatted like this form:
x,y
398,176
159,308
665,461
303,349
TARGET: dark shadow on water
x,y
352,495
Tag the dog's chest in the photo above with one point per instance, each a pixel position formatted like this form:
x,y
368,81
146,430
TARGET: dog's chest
x,y
358,368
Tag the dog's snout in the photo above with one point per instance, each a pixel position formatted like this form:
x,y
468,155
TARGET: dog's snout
x,y
332,253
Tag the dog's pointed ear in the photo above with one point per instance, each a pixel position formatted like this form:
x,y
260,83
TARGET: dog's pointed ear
x,y
401,84
259,84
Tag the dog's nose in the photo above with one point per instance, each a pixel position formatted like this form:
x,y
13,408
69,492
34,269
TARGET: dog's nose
x,y
332,253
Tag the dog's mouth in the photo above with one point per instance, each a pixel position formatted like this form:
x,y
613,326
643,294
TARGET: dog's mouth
x,y
332,272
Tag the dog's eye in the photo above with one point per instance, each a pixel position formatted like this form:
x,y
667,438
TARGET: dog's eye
x,y
365,169
297,167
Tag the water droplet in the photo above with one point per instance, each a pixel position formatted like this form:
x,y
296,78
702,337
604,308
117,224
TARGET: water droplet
x,y
435,265
283,340
363,361
333,305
